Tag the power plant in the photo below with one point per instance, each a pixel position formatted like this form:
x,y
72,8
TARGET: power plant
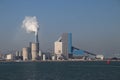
x,y
63,48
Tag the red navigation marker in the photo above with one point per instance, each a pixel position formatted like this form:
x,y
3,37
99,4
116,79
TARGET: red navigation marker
x,y
108,61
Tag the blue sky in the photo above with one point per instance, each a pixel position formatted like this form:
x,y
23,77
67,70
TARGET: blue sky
x,y
94,24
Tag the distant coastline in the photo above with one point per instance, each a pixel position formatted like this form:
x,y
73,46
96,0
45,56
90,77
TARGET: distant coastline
x,y
64,61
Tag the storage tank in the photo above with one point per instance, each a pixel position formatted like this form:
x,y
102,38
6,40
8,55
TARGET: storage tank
x,y
34,50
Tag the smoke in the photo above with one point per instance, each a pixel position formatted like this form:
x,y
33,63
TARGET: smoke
x,y
30,24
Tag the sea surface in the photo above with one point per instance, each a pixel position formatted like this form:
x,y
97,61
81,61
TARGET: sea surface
x,y
78,70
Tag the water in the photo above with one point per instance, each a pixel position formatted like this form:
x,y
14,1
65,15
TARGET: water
x,y
97,70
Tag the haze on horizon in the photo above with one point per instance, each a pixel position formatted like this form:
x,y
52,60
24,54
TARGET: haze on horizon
x,y
94,24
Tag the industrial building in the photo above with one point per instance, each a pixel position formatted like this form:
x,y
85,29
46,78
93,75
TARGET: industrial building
x,y
9,57
58,49
29,53
63,46
63,49
18,55
99,57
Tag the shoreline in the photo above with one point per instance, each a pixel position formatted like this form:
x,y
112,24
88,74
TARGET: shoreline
x,y
63,61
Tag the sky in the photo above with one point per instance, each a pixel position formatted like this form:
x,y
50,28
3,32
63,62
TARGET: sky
x,y
94,24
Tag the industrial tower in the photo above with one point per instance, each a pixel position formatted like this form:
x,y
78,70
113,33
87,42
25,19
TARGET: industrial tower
x,y
63,46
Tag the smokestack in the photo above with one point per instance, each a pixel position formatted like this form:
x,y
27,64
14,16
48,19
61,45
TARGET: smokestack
x,y
30,24
36,37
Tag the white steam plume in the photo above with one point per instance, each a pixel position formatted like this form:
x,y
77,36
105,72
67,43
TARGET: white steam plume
x,y
30,24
